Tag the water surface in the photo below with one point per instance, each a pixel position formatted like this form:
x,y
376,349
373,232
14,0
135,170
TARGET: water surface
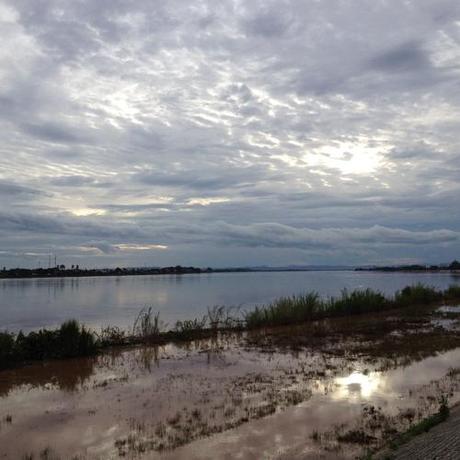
x,y
208,397
33,303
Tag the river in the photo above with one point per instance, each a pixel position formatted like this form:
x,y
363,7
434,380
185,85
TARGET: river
x,y
29,304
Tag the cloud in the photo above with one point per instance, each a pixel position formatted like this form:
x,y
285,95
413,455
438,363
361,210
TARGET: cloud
x,y
405,57
11,189
279,236
232,133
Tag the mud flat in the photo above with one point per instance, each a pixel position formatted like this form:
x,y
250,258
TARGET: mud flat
x,y
334,389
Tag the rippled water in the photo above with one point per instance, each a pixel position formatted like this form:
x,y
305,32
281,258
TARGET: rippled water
x,y
32,303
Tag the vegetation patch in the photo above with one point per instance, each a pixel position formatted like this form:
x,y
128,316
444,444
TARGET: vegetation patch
x,y
73,339
424,425
310,307
70,340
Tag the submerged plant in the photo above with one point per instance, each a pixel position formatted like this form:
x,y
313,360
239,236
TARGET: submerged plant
x,y
111,335
222,317
190,328
147,325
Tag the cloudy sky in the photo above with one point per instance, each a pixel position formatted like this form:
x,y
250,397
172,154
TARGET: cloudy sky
x,y
157,132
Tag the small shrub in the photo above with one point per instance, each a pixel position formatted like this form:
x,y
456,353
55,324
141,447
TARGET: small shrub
x,y
75,340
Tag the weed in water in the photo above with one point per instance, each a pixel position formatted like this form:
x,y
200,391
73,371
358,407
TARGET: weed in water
x,y
147,325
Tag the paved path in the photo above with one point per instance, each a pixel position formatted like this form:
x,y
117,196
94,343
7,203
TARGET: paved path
x,y
441,443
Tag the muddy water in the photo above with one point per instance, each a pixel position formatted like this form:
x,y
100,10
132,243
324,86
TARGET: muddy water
x,y
214,399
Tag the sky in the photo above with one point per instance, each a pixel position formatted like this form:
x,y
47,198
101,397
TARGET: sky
x,y
229,133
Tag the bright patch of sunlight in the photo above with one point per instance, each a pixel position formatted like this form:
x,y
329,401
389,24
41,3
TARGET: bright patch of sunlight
x,y
85,212
348,157
140,247
206,201
358,385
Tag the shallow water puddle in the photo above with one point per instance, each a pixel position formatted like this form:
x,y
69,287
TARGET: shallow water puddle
x,y
208,400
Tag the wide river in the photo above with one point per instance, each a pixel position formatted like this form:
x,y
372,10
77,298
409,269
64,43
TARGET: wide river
x,y
33,303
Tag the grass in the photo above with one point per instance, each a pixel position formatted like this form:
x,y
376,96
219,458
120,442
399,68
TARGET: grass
x,y
73,339
286,310
70,340
453,292
310,307
148,326
418,294
424,425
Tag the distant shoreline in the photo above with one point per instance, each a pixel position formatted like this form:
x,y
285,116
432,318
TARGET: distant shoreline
x,y
22,273
60,272
407,270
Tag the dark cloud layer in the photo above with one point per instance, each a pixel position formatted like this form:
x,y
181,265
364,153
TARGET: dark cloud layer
x,y
229,133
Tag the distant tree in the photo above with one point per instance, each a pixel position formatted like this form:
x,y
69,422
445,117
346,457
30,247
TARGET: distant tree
x,y
61,267
455,265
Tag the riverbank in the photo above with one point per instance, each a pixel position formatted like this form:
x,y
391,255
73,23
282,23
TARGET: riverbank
x,y
339,386
72,339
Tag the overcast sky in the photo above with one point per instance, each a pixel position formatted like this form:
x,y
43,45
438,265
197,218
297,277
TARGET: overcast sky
x,y
223,133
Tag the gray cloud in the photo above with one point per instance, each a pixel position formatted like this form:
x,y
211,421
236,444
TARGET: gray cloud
x,y
234,133
406,57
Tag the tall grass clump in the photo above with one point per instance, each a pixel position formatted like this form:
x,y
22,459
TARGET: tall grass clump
x,y
418,294
147,325
286,310
356,302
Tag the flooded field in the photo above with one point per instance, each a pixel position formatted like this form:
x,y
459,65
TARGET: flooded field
x,y
329,389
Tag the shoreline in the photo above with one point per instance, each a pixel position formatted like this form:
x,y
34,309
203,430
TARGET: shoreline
x,y
74,339
159,272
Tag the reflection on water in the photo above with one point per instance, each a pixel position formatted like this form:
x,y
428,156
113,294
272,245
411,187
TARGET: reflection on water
x,y
359,385
253,403
67,376
33,303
